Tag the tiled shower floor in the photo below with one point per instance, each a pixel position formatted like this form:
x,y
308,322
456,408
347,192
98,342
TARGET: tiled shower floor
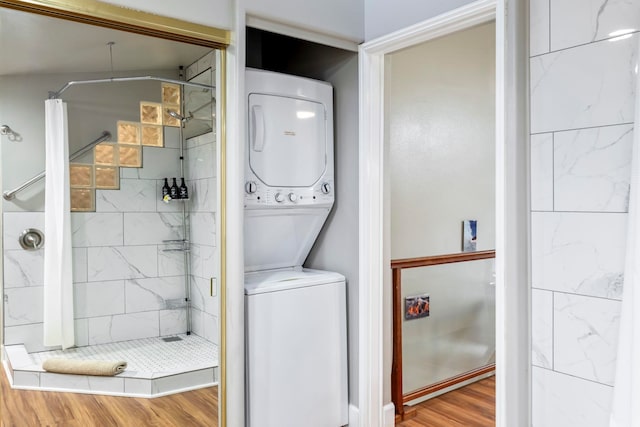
x,y
154,367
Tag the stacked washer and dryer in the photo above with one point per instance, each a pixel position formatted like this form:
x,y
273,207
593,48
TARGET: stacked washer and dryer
x,y
296,332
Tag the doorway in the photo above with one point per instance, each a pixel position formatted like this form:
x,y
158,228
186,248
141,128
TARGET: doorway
x,y
512,296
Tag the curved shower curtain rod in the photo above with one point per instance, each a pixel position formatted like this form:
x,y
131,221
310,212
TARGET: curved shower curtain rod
x,y
55,95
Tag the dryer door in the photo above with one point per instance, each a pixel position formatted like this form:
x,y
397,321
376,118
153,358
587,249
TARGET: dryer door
x,y
287,140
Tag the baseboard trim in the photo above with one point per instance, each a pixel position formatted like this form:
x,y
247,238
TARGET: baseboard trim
x,y
354,416
389,415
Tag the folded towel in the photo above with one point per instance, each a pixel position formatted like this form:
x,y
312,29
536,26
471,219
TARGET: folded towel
x,y
84,367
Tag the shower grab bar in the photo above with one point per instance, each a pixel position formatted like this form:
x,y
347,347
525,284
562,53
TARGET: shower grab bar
x,y
10,195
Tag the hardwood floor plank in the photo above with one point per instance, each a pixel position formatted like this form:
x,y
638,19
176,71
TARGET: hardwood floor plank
x,y
27,408
470,406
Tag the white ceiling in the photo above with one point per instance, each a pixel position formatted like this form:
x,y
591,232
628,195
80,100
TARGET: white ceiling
x,y
35,44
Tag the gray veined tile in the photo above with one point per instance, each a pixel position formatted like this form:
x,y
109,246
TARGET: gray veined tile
x,y
538,27
96,229
542,328
122,262
23,305
153,294
576,22
542,172
586,336
23,268
152,228
560,400
581,253
592,169
587,86
97,299
15,222
134,195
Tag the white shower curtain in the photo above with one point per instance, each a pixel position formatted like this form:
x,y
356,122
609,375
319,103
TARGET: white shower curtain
x,y
625,408
58,280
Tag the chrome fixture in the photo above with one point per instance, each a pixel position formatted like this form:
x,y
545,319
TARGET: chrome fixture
x,y
31,239
13,135
10,195
180,117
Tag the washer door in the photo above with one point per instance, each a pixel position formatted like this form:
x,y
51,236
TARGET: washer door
x,y
287,140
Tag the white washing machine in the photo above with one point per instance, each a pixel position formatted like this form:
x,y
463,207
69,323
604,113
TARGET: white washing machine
x,y
296,345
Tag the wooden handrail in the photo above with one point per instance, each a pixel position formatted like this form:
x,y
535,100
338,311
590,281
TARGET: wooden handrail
x,y
397,265
441,259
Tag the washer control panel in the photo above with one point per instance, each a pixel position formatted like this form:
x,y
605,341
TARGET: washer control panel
x,y
259,195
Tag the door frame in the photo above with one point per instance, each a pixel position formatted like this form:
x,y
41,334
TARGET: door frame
x,y
513,352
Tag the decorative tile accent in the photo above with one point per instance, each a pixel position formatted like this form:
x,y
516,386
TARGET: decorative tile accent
x,y
587,86
581,253
130,156
542,172
592,169
152,136
80,175
586,336
158,163
82,200
167,120
107,177
128,132
170,94
561,400
150,113
106,154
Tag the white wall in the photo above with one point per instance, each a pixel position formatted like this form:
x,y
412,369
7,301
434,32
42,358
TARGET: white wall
x,y
582,98
344,19
386,16
440,119
337,246
213,13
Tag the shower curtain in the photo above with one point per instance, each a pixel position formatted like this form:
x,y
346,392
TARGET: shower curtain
x,y
58,281
625,408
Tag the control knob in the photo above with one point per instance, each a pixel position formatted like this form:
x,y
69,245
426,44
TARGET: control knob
x,y
293,197
326,188
279,197
250,187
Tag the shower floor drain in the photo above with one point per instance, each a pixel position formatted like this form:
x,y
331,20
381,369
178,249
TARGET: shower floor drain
x,y
171,339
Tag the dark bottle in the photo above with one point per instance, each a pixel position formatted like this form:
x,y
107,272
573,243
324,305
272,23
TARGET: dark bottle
x,y
174,192
183,191
166,191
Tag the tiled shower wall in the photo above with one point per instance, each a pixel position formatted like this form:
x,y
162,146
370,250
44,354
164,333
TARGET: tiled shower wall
x,y
582,97
125,285
201,173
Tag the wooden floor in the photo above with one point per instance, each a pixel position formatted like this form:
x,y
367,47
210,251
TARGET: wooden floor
x,y
26,408
470,406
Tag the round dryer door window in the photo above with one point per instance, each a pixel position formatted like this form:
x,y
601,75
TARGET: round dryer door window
x,y
287,140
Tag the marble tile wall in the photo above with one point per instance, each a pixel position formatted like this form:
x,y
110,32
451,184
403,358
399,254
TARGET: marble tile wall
x,y
201,174
582,90
126,286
